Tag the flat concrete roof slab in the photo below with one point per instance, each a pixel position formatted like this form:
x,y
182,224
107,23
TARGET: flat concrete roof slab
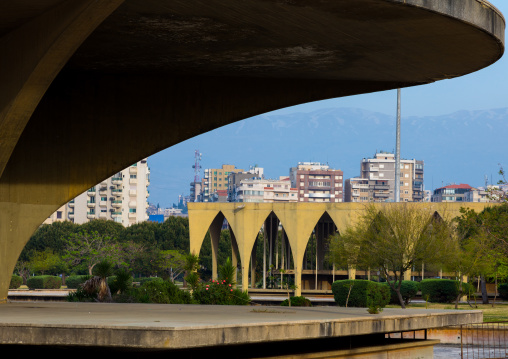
x,y
157,326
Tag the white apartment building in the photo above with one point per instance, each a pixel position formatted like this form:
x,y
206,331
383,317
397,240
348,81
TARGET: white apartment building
x,y
122,198
266,190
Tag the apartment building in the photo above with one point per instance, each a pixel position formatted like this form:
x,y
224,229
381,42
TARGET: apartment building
x,y
265,190
376,182
215,179
316,182
235,179
122,198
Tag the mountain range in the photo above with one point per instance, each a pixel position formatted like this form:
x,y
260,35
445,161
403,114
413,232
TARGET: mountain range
x,y
461,147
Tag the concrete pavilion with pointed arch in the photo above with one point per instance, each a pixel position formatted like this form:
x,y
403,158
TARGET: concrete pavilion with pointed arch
x,y
298,221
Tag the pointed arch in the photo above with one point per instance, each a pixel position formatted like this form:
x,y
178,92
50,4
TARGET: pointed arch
x,y
299,220
200,220
245,224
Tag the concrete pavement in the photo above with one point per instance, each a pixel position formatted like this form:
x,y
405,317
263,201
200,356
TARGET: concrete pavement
x,y
152,326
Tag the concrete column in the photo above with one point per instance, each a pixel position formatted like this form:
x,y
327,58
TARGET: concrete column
x,y
215,230
253,264
234,255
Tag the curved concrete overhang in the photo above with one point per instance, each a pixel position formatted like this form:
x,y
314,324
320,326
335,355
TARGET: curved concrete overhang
x,y
89,87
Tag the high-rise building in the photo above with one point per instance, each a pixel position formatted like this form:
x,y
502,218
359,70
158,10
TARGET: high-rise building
x,y
121,198
316,182
216,179
376,182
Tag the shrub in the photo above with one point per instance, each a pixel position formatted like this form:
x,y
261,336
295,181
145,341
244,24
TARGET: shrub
x,y
219,293
364,293
16,282
161,292
143,280
297,302
74,281
81,296
443,290
503,290
408,290
44,282
121,282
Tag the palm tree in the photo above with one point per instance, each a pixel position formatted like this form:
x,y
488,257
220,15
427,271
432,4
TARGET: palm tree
x,y
98,283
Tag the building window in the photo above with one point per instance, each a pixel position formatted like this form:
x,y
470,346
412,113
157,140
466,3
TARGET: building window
x,y
59,214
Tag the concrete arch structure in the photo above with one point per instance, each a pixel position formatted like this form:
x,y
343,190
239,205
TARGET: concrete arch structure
x,y
89,87
297,219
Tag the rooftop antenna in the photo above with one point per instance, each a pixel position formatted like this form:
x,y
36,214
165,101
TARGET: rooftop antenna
x,y
397,151
197,165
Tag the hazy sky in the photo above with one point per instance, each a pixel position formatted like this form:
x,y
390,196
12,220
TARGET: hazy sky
x,y
485,89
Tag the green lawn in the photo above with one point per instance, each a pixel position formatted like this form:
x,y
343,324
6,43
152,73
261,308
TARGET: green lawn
x,y
496,313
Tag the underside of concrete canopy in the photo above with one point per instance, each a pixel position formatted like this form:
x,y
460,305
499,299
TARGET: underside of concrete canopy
x,y
89,87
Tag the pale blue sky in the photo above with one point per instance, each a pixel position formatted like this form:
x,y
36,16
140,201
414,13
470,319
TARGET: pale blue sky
x,y
485,89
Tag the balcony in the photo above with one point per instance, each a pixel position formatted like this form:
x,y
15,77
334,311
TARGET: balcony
x,y
381,194
103,215
103,192
360,186
382,187
71,215
133,192
116,192
133,204
90,204
90,215
116,214
116,180
91,192
319,195
103,203
133,180
71,204
132,215
116,204
133,170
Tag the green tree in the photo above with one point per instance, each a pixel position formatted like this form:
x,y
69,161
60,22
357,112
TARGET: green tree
x,y
49,236
393,239
90,249
143,233
104,227
46,261
484,244
171,264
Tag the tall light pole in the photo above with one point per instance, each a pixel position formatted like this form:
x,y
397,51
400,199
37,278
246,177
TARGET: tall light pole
x,y
397,151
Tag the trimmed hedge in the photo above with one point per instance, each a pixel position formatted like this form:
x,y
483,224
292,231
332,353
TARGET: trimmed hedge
x,y
16,282
297,302
74,281
408,290
44,282
503,290
443,290
364,293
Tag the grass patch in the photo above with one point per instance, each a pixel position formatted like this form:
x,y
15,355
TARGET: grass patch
x,y
498,313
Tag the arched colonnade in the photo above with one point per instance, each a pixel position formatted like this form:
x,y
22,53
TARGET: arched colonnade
x,y
298,221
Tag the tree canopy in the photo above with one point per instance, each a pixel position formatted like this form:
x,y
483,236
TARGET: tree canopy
x,y
393,239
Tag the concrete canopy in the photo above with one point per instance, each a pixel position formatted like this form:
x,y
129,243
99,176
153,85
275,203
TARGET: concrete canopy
x,y
89,87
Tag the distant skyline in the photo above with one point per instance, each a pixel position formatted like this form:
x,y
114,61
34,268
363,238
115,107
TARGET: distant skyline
x,y
483,90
